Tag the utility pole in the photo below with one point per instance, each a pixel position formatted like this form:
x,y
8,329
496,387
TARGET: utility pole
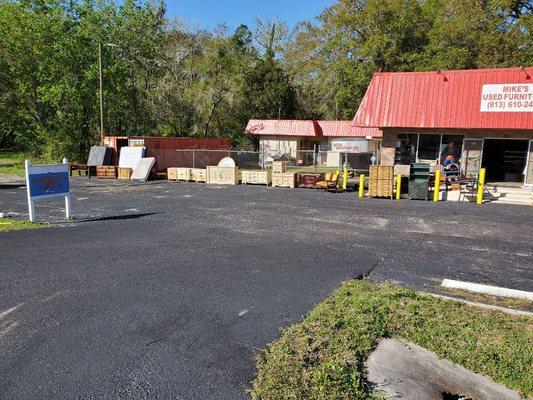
x,y
100,64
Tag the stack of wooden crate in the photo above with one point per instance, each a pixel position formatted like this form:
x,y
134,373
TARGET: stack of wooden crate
x,y
106,172
280,176
381,181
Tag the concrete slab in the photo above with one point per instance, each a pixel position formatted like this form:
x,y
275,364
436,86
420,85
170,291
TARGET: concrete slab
x,y
404,370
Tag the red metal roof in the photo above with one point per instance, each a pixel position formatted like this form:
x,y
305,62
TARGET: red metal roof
x,y
447,99
309,128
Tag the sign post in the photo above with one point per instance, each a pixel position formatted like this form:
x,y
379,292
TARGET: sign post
x,y
47,181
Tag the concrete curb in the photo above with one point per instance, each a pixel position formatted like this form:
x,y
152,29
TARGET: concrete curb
x,y
485,289
510,311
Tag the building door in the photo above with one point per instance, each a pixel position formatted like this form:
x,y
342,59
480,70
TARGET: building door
x,y
528,180
471,157
505,159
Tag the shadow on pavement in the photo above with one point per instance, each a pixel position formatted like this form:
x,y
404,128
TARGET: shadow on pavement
x,y
117,217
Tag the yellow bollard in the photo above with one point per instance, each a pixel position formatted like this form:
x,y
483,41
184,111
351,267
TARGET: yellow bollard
x,y
481,185
436,191
362,185
345,179
398,186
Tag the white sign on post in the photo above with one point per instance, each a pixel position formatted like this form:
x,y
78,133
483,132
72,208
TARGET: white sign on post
x,y
47,181
511,97
348,145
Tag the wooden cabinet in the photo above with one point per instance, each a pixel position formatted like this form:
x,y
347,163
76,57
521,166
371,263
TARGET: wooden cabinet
x,y
222,175
279,167
125,173
198,175
172,174
283,180
184,174
257,177
309,180
381,181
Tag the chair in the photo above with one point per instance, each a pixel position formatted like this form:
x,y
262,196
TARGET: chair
x,y
331,181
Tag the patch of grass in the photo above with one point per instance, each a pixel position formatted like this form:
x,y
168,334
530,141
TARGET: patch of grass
x,y
7,224
323,356
508,302
12,162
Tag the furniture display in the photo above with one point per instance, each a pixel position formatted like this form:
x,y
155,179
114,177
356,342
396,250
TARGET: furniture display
x,y
106,172
419,181
198,175
331,181
381,181
284,180
279,167
125,173
223,175
256,177
309,180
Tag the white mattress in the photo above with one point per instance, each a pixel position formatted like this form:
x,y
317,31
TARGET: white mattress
x,y
130,156
141,172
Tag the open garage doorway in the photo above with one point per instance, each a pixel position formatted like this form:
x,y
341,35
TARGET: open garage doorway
x,y
505,159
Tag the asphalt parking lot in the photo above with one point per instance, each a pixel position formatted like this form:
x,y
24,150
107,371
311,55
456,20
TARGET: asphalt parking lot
x,y
167,290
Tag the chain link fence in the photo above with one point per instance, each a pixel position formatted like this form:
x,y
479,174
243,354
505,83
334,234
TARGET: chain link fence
x,y
304,160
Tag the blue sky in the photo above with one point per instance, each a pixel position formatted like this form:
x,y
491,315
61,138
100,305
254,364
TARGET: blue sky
x,y
209,13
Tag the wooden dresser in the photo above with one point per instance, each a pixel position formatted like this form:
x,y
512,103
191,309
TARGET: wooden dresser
x,y
285,179
258,177
223,175
198,175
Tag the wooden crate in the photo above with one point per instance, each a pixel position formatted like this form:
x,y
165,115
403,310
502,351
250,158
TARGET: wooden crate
x,y
223,175
172,174
106,172
283,180
184,174
381,182
198,175
279,167
256,177
125,173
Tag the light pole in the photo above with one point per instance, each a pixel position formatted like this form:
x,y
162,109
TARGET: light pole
x,y
101,76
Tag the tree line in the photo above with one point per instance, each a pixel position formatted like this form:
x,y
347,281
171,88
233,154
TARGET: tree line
x,y
164,77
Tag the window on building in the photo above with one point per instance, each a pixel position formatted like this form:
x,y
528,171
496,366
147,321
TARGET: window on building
x,y
406,145
412,147
428,147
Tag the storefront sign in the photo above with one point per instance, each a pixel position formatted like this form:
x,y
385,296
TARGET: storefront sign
x,y
507,98
47,181
349,145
